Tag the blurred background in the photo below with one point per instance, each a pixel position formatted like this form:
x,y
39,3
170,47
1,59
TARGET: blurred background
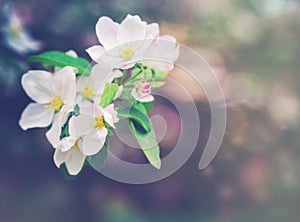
x,y
252,46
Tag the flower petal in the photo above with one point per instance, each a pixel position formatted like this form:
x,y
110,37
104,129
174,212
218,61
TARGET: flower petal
x,y
106,30
152,31
72,53
93,142
37,85
142,99
53,134
164,52
97,110
75,162
81,125
168,48
35,115
131,29
95,52
111,110
86,108
60,157
115,74
128,64
146,99
108,118
67,143
64,113
64,84
101,73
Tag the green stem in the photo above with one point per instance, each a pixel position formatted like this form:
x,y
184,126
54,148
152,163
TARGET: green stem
x,y
133,77
123,76
129,81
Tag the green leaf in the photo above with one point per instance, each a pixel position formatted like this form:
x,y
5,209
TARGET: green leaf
x,y
97,161
154,74
137,65
66,131
148,74
76,110
109,93
159,75
141,107
157,84
148,144
109,132
148,106
126,95
139,72
60,59
135,114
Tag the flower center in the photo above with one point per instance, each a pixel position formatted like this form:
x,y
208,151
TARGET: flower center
x,y
127,54
99,122
56,103
88,91
76,144
15,30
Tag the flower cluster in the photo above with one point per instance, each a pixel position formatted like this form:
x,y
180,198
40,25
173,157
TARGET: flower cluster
x,y
79,102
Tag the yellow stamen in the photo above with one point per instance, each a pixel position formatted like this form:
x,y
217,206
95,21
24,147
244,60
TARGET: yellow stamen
x,y
76,144
99,122
88,91
56,103
127,54
15,30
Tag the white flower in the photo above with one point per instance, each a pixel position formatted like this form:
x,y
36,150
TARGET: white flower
x,y
124,42
16,36
91,87
142,92
69,152
91,126
50,92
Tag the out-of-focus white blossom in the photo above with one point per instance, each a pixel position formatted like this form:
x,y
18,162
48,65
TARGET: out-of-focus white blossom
x,y
16,35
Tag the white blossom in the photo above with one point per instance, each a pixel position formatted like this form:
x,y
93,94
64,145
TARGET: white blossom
x,y
50,92
124,42
16,36
92,125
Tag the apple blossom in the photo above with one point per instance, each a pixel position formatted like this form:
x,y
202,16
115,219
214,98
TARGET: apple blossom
x,y
123,42
16,36
92,125
50,92
69,151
